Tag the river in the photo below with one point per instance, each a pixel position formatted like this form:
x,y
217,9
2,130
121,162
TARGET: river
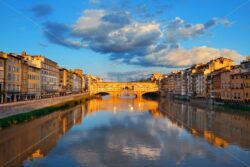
x,y
130,132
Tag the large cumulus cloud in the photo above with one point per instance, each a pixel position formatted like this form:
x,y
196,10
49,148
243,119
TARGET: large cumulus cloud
x,y
128,40
114,32
179,57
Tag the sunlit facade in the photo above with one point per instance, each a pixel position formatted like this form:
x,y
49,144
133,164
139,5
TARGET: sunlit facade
x,y
219,79
12,81
49,76
31,79
27,77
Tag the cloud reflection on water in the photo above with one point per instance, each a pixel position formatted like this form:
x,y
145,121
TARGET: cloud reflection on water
x,y
140,138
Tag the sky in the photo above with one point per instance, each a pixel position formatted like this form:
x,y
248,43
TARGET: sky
x,y
127,39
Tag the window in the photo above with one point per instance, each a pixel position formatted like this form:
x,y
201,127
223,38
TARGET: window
x,y
9,76
1,74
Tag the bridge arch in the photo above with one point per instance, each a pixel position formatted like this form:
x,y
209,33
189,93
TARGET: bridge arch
x,y
151,94
102,93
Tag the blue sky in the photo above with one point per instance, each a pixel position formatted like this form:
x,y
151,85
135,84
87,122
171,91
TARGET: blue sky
x,y
124,39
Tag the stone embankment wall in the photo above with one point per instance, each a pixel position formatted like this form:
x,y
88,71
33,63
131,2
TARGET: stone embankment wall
x,y
200,102
10,109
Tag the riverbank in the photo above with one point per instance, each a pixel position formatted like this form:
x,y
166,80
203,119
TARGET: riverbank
x,y
210,103
15,108
29,115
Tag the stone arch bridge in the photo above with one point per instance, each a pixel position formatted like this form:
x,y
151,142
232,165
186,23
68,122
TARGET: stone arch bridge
x,y
123,88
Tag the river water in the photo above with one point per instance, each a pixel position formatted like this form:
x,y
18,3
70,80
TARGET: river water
x,y
130,132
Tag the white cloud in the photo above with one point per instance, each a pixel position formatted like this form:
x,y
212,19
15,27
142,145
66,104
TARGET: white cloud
x,y
179,29
110,32
90,21
130,41
181,57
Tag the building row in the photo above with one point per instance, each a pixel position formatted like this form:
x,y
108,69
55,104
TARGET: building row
x,y
219,79
26,77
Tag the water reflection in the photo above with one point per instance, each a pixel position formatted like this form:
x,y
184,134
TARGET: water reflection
x,y
35,139
218,126
115,104
130,132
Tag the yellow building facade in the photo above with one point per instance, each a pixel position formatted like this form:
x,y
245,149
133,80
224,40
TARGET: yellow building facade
x,y
204,70
49,76
12,78
79,72
31,78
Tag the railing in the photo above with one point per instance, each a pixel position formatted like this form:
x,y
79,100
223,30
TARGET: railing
x,y
43,97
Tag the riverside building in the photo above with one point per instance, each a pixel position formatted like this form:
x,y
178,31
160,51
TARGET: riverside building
x,y
79,72
13,78
31,75
196,81
49,76
26,77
